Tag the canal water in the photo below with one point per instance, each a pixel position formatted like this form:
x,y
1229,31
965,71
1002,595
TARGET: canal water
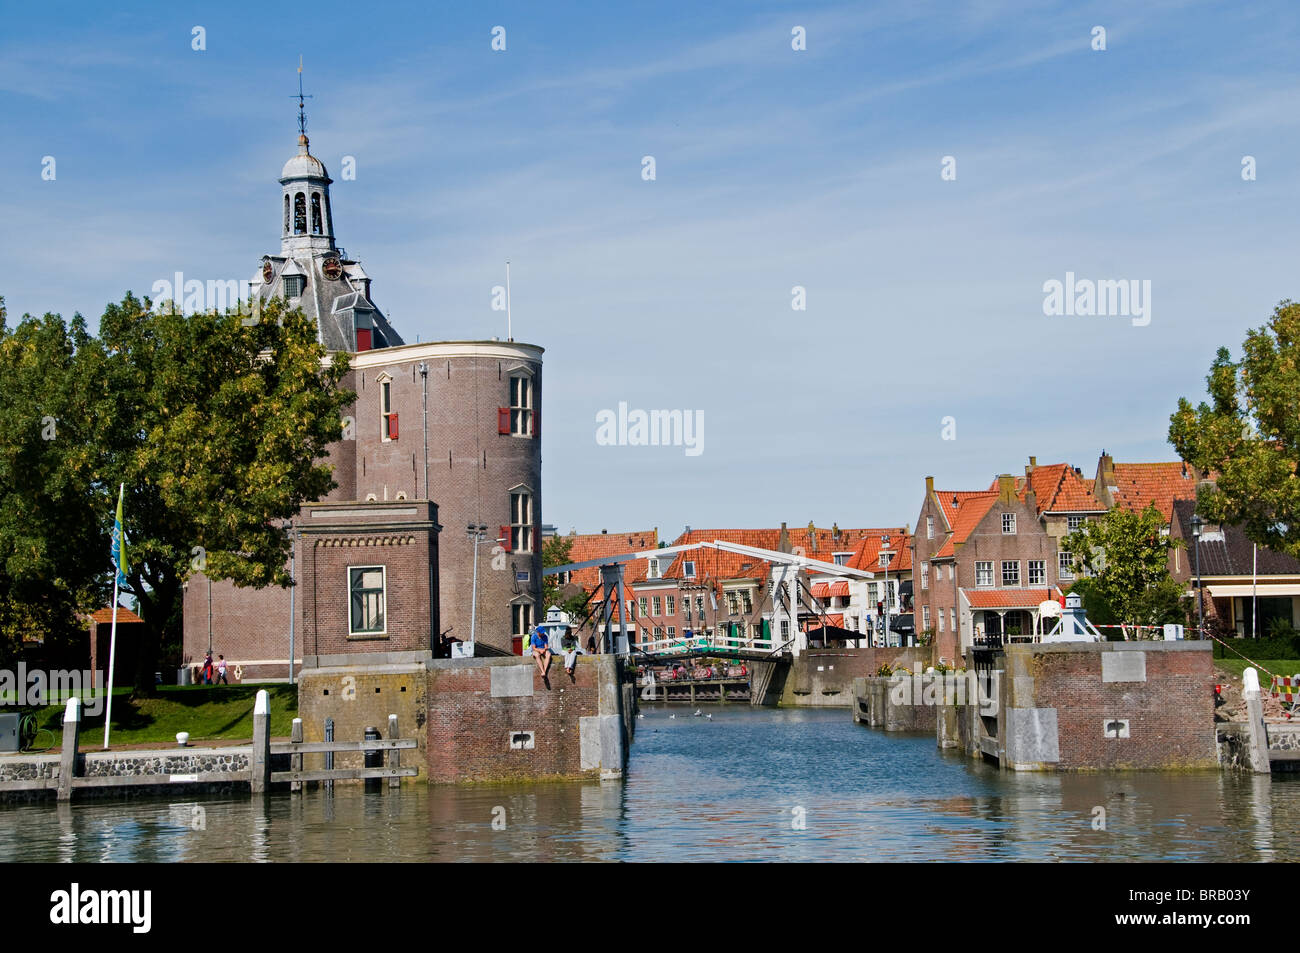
x,y
746,784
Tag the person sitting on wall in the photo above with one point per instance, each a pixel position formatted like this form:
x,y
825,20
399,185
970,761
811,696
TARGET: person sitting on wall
x,y
570,645
541,645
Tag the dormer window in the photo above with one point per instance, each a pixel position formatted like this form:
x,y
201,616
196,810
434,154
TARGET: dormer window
x,y
293,286
364,324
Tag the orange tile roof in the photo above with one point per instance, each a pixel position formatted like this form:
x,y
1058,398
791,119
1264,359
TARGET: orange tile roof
x,y
1137,484
123,615
972,506
835,619
1059,489
586,546
1009,598
867,555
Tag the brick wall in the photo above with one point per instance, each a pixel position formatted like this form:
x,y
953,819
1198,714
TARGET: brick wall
x,y
470,721
821,678
250,627
1169,708
361,695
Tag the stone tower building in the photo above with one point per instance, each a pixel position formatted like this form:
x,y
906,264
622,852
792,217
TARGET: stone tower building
x,y
443,436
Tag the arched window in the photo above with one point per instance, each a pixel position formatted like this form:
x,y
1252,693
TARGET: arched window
x,y
315,213
300,214
286,214
329,216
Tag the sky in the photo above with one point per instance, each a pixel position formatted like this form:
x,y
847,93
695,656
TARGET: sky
x,y
922,347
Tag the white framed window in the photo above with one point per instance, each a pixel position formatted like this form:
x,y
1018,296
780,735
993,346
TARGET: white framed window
x,y
884,559
1065,565
642,603
952,619
652,568
747,601
688,567
929,527
699,607
951,572
733,606
1011,572
672,631
1037,572
521,522
1074,522
873,592
658,604
984,573
672,605
521,406
686,609
939,615
521,620
367,598
387,419
842,558
785,628
925,617
1008,524
925,575
293,286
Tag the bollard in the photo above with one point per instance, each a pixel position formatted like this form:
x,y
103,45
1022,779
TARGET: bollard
x,y
295,761
394,756
68,755
374,758
259,761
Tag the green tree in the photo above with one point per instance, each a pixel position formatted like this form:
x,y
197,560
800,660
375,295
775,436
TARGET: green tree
x,y
1126,557
1249,434
218,430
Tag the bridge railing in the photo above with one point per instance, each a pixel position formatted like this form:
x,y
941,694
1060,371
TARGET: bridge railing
x,y
697,643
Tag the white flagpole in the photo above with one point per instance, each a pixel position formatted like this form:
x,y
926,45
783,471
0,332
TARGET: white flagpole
x,y
510,328
112,658
112,636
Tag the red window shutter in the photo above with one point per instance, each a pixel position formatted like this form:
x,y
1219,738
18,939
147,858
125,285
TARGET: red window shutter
x,y
537,423
507,536
392,426
363,339
503,420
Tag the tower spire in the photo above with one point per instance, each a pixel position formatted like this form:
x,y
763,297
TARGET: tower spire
x,y
302,104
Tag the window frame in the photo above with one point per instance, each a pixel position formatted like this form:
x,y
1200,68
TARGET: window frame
x,y
522,405
1042,572
1008,524
381,632
521,526
1015,581
979,563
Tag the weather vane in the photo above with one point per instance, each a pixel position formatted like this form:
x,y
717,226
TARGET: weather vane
x,y
302,105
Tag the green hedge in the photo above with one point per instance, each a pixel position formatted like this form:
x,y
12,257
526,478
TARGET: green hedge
x,y
1273,647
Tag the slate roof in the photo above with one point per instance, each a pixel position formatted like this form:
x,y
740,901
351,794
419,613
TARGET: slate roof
x,y
1233,555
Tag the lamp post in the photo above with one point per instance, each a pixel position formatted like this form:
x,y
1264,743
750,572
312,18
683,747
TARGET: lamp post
x,y
884,551
477,532
1197,525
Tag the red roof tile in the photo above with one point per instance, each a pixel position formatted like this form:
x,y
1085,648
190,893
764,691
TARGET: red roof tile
x,y
123,615
1059,489
586,546
970,508
1137,484
1009,598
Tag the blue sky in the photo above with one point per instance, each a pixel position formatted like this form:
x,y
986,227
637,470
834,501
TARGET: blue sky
x,y
774,168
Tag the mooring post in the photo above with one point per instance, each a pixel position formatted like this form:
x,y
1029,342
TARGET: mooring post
x,y
295,762
259,761
68,755
394,755
1256,730
329,755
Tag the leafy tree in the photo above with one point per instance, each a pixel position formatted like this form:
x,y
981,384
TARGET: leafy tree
x,y
1126,555
1249,434
217,429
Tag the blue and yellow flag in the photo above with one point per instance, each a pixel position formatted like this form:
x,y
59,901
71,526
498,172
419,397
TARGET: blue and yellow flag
x,y
119,541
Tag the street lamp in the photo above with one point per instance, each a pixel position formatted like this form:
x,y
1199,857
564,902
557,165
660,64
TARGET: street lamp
x,y
1197,525
477,532
884,551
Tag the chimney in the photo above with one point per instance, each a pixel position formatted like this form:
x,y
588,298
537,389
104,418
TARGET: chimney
x,y
1107,468
1006,488
1033,465
603,532
929,486
783,540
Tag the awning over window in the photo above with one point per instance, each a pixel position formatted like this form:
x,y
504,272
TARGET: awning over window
x,y
821,590
1244,590
840,588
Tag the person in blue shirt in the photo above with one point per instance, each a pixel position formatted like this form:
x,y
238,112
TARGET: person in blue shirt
x,y
541,645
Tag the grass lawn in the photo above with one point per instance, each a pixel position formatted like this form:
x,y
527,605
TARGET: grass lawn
x,y
1235,666
207,712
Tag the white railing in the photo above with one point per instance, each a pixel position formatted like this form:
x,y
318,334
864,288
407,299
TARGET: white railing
x,y
705,643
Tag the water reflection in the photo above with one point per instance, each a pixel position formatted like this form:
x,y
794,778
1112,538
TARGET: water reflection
x,y
744,785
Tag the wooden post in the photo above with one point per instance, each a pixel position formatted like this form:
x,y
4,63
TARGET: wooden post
x,y
295,760
394,755
259,761
68,757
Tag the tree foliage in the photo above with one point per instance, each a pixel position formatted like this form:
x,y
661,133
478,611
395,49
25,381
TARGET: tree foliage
x,y
216,427
1248,434
558,551
1126,557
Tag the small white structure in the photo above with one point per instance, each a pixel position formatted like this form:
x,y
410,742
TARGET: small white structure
x,y
1073,625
